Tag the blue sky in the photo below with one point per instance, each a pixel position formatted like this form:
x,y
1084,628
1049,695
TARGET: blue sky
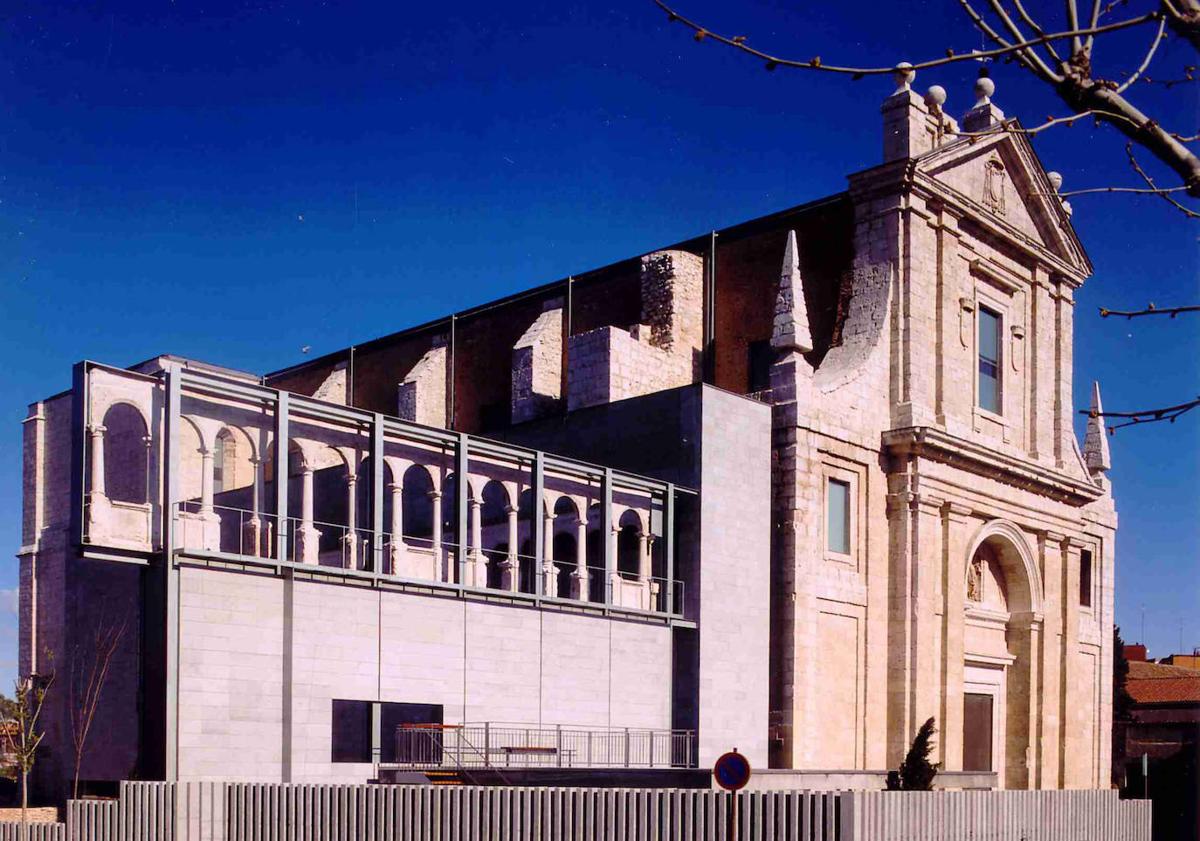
x,y
234,183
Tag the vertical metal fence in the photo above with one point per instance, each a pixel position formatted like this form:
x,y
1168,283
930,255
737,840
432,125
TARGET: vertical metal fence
x,y
214,811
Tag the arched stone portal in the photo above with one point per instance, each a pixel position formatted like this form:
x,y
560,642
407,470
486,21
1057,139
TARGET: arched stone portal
x,y
1002,625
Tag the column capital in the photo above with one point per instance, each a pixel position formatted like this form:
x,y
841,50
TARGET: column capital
x,y
97,428
511,509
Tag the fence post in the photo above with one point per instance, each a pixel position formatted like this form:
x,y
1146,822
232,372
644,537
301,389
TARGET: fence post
x,y
558,744
589,748
626,747
487,744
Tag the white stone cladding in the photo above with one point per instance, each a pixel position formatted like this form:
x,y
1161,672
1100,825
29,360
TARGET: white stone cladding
x,y
735,592
262,659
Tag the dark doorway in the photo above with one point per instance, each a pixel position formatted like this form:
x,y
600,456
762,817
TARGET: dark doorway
x,y
977,732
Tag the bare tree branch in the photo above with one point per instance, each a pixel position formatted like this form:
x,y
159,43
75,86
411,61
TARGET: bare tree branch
x,y
1160,191
1162,26
739,42
1011,127
1149,310
1183,16
1037,30
1166,413
1073,82
1073,24
1029,58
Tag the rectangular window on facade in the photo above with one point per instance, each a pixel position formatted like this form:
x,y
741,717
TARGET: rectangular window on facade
x,y
351,731
401,732
1085,578
837,517
989,360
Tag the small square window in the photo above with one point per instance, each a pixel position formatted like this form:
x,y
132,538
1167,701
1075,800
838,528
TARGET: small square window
x,y
1085,578
989,361
837,517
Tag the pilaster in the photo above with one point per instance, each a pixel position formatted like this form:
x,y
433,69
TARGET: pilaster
x,y
956,525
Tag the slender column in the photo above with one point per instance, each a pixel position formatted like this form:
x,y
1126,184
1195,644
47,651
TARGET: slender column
x,y
475,550
252,533
306,497
307,536
435,539
149,494
396,545
351,538
206,481
549,580
256,486
96,431
514,560
646,542
581,570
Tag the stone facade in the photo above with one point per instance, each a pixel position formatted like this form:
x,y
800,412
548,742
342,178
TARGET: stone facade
x,y
900,525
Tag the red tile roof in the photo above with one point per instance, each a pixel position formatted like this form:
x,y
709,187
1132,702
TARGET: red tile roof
x,y
1154,683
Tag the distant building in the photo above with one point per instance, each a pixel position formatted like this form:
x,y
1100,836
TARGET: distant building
x,y
1166,730
793,486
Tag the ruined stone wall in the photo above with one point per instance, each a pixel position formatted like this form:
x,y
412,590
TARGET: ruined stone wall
x,y
663,351
537,362
422,393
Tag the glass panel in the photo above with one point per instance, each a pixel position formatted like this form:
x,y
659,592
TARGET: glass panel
x,y
837,507
989,360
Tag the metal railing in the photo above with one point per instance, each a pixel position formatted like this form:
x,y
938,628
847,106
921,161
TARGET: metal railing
x,y
238,531
499,745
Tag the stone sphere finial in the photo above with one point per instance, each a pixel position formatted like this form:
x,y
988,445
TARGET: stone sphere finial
x,y
936,95
904,75
1055,180
984,88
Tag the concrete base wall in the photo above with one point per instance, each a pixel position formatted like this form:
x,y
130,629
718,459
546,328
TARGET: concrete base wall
x,y
262,659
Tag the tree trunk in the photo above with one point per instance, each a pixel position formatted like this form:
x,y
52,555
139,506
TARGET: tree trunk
x,y
24,805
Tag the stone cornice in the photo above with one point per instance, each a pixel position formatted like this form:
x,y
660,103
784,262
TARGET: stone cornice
x,y
938,445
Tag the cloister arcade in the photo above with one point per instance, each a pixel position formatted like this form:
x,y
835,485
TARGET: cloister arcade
x,y
415,523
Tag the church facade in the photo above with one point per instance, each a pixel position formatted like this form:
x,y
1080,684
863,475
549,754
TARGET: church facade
x,y
793,486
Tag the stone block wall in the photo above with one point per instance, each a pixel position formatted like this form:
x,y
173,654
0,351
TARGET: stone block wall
x,y
537,367
422,392
661,352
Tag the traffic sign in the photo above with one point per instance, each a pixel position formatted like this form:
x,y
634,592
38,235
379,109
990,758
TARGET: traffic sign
x,y
732,771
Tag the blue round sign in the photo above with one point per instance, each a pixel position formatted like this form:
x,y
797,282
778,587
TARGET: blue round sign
x,y
732,771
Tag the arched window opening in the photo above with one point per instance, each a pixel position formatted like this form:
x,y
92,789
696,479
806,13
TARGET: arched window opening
x,y
126,455
331,509
416,506
526,567
564,564
493,515
629,546
565,546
